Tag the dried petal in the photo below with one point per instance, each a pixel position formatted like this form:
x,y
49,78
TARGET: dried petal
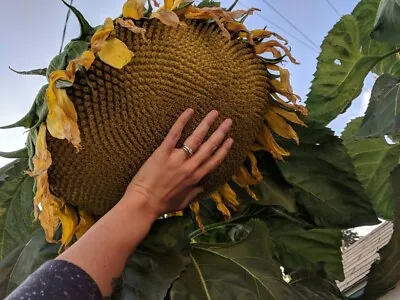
x,y
229,196
42,159
195,207
254,168
133,9
167,17
130,25
85,60
221,206
271,46
115,53
101,35
290,116
236,14
269,144
263,34
69,222
280,126
85,222
243,179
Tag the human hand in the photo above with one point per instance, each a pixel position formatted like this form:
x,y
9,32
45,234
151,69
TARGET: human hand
x,y
169,179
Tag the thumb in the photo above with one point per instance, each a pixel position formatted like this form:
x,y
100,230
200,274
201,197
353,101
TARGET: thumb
x,y
192,195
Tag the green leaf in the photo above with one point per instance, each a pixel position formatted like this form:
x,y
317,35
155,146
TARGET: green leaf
x,y
158,261
382,116
16,208
341,71
385,273
241,270
387,25
273,190
22,153
86,29
24,260
365,13
374,160
296,247
312,285
41,72
324,177
73,50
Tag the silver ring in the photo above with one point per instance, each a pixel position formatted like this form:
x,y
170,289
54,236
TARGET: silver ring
x,y
188,150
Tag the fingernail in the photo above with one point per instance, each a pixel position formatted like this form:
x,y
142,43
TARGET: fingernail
x,y
230,142
214,113
190,111
229,122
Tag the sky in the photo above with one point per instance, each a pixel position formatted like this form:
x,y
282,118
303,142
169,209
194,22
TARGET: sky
x,y
32,31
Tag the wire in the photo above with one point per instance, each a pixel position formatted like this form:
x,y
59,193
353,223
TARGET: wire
x,y
333,7
283,30
291,24
65,26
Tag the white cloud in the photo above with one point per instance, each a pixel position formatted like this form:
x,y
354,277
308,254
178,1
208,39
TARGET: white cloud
x,y
365,97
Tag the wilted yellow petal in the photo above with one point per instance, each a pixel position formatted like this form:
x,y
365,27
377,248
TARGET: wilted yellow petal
x,y
221,206
291,106
269,144
115,53
69,222
254,168
42,192
271,46
243,179
85,222
280,126
48,216
290,116
168,4
236,14
128,24
263,34
167,17
85,60
195,207
42,159
101,35
229,196
133,9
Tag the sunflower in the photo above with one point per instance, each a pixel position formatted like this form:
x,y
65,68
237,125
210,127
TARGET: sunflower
x,y
114,92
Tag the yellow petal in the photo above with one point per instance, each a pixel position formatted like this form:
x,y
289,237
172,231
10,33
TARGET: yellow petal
x,y
254,168
280,126
115,53
85,60
229,195
42,159
133,9
69,222
168,4
271,46
221,206
85,222
195,207
101,35
167,17
269,144
243,179
128,24
290,116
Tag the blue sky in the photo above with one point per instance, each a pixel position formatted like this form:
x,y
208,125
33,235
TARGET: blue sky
x,y
32,32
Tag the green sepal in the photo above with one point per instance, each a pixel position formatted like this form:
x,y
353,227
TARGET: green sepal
x,y
26,121
73,50
41,72
22,153
86,28
41,109
149,10
209,3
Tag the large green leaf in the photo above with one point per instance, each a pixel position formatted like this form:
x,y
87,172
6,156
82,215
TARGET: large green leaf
x,y
382,116
296,247
315,285
324,177
24,260
16,208
158,261
385,273
341,71
365,13
241,270
374,159
387,25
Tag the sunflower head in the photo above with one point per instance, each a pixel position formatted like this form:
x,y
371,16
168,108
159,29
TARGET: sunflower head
x,y
114,93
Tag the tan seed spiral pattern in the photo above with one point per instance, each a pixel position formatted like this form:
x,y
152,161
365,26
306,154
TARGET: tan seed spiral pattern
x,y
123,115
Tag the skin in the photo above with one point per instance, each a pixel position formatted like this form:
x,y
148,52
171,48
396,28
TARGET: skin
x,y
167,182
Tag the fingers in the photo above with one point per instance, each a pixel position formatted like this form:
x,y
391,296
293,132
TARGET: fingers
x,y
196,139
191,196
209,147
214,161
175,132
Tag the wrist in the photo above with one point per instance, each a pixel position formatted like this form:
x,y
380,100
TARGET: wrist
x,y
138,202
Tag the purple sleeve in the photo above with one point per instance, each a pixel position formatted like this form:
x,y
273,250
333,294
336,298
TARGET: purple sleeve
x,y
57,279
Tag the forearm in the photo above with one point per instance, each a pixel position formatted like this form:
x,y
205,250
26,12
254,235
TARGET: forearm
x,y
103,251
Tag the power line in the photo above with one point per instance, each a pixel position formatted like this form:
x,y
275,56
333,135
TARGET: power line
x,y
65,26
291,24
284,30
333,7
